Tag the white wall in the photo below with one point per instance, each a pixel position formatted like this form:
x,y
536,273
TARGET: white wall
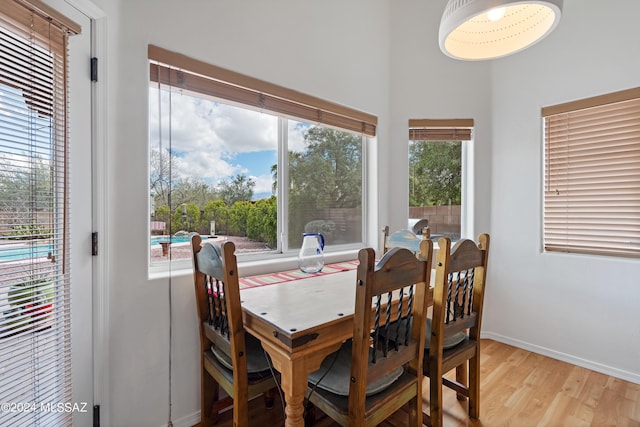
x,y
381,57
332,49
583,309
426,84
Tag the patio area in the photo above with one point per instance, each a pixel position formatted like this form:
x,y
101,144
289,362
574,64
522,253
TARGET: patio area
x,y
182,250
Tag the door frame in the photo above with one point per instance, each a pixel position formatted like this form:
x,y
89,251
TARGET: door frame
x,y
99,190
100,209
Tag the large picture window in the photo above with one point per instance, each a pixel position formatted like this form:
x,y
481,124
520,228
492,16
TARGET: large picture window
x,y
234,158
592,175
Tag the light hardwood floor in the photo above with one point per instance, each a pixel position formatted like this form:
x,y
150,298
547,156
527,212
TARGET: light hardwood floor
x,y
518,388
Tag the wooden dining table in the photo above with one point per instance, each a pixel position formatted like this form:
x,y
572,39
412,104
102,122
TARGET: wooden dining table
x,y
299,323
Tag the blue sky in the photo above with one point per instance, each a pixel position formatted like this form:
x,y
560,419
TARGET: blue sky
x,y
259,164
17,146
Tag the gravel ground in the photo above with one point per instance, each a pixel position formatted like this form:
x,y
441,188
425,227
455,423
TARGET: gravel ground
x,y
183,250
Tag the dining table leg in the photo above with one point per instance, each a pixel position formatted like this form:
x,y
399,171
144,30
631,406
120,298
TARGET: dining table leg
x,y
294,369
293,396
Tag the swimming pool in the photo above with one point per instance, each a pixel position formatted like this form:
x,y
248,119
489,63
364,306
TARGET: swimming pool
x,y
172,239
19,253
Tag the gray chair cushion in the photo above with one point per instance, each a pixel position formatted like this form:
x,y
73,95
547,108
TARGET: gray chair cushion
x,y
256,357
338,378
210,263
448,343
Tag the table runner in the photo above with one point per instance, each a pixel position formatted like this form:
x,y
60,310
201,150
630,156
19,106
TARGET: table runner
x,y
286,276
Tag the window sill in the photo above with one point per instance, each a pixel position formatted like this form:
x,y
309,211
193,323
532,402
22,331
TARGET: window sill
x,y
255,267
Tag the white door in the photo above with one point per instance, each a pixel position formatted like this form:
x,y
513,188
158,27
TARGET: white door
x,y
45,290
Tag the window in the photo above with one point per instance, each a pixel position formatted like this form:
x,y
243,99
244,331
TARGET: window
x,y
235,158
437,174
592,175
35,300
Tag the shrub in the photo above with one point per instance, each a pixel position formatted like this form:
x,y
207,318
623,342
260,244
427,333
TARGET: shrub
x,y
321,226
238,217
29,301
216,210
29,232
262,222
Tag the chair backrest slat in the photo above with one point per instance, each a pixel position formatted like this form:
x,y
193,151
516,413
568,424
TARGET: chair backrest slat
x,y
214,288
218,301
389,294
458,291
458,296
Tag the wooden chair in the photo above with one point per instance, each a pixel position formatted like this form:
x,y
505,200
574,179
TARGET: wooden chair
x,y
379,371
458,297
422,228
406,239
230,358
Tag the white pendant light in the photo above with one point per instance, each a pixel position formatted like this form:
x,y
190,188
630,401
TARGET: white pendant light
x,y
486,29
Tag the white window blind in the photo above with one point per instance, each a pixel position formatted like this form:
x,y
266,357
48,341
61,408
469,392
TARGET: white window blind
x,y
440,129
592,175
35,301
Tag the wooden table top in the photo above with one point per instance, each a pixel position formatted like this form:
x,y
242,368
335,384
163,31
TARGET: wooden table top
x,y
299,309
296,308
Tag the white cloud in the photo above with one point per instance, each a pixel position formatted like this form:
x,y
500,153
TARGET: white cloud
x,y
296,135
206,135
264,184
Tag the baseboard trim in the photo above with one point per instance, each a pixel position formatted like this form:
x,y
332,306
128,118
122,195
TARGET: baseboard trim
x,y
574,360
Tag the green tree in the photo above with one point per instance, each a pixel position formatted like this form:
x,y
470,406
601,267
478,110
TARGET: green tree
x,y
435,173
25,192
329,172
191,190
237,189
216,210
274,175
162,175
326,175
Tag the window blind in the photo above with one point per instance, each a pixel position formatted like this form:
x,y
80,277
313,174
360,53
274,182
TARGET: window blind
x,y
592,175
183,73
35,300
440,129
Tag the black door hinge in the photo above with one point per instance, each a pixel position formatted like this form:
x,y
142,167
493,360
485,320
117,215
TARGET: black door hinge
x,y
94,243
94,69
96,415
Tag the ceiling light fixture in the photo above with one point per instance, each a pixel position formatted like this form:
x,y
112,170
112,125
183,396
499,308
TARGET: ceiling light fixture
x,y
485,29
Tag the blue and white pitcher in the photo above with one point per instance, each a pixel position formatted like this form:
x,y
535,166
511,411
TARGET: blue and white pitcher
x,y
311,256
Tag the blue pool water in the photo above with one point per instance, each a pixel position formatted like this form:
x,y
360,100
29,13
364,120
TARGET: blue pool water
x,y
173,239
15,254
